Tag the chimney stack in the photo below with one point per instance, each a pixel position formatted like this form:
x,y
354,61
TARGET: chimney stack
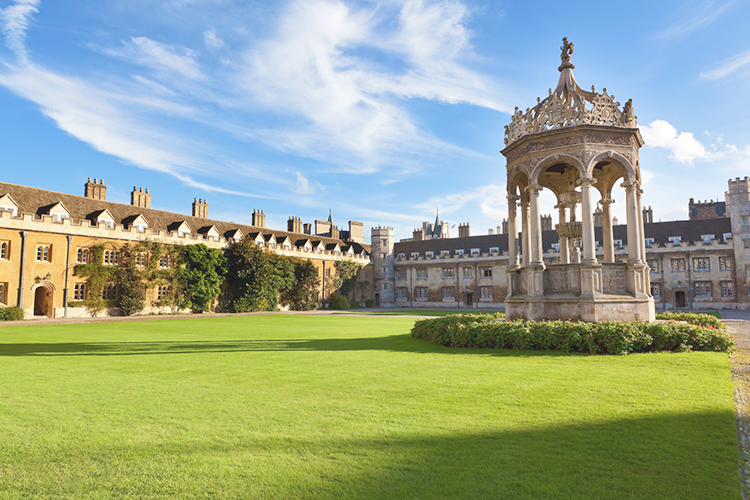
x,y
307,228
294,225
94,190
464,230
140,199
200,208
259,218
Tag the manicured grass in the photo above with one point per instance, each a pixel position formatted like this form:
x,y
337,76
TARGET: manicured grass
x,y
350,407
416,312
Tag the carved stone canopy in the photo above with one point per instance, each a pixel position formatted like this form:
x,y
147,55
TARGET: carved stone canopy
x,y
569,105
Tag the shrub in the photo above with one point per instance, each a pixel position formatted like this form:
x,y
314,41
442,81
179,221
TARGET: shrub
x,y
369,303
487,331
693,319
338,302
353,304
11,314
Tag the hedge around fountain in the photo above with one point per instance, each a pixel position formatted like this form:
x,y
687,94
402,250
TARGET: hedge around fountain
x,y
694,332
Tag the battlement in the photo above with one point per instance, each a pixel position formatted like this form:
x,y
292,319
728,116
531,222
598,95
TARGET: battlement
x,y
739,185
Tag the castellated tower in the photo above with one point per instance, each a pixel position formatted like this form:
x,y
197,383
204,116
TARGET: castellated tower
x,y
382,262
738,205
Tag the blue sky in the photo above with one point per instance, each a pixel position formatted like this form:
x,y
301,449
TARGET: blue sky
x,y
382,111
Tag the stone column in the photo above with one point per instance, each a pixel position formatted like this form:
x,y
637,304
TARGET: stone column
x,y
537,256
607,238
564,253
526,233
642,241
634,246
512,232
587,222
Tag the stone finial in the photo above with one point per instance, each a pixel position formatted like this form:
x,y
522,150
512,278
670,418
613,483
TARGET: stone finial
x,y
567,51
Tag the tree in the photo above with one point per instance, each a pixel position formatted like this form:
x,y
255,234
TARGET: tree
x,y
344,280
132,291
303,295
201,277
251,277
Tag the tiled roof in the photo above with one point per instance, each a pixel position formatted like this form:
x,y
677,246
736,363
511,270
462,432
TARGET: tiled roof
x,y
689,231
31,200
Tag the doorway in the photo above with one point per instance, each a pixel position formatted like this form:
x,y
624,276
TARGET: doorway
x,y
469,299
43,302
377,300
679,299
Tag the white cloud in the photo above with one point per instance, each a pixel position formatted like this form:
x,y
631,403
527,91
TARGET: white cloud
x,y
303,184
16,19
683,147
490,199
163,58
695,17
728,67
212,41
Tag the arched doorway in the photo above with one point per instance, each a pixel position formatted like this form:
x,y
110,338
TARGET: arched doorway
x,y
469,299
377,300
43,301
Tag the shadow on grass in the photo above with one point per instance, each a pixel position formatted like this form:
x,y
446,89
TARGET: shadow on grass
x,y
392,343
679,456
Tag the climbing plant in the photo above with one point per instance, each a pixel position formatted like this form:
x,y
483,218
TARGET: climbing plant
x,y
201,273
97,276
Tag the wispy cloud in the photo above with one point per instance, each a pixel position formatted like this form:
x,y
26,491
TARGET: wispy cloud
x,y
728,67
162,58
211,41
694,17
16,19
489,199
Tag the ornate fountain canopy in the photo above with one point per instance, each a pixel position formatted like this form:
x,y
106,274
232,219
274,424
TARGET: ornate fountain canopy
x,y
569,105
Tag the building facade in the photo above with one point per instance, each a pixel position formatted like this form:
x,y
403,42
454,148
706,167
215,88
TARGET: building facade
x,y
45,234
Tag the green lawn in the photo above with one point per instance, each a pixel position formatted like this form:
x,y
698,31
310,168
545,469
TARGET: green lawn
x,y
350,407
416,312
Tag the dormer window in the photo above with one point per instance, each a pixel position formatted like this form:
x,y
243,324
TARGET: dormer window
x,y
649,242
430,254
105,217
618,244
726,236
445,253
415,255
556,247
58,212
707,238
460,252
7,204
494,250
475,252
675,240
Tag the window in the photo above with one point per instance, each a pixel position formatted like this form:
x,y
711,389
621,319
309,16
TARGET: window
x,y
460,253
420,293
744,221
401,274
678,265
383,255
109,292
475,252
140,259
649,242
617,244
384,243
80,291
401,256
701,264
653,265
4,250
43,253
165,262
494,250
415,255
421,274
4,293
707,238
449,293
746,243
384,269
727,289
402,293
656,291
485,293
485,272
445,253
725,263
385,286
367,275
675,240
82,255
163,291
467,273
449,273
429,254
702,289
111,258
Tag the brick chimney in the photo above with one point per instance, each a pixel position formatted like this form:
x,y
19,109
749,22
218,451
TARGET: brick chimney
x,y
139,198
294,225
200,208
259,218
307,228
94,190
464,230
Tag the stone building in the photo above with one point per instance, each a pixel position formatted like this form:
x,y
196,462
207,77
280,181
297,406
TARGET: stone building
x,y
44,234
707,210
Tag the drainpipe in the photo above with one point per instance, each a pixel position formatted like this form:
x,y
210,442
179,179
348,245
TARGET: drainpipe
x,y
476,285
323,292
690,283
458,285
663,289
67,272
24,234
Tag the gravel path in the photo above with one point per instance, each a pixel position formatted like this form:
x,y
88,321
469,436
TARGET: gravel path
x,y
739,364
